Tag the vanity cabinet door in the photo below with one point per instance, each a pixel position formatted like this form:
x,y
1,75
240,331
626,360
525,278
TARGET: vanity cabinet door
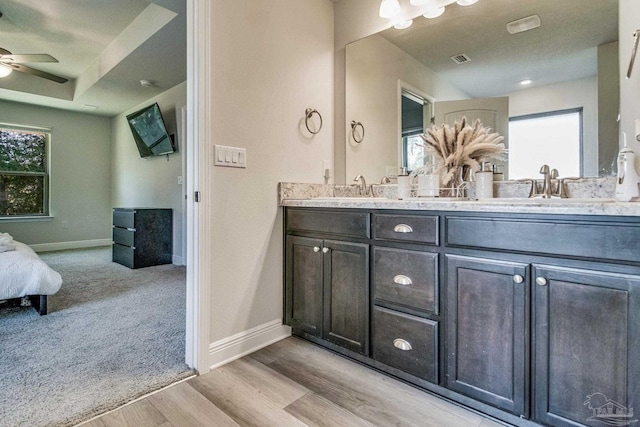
x,y
586,347
304,276
487,331
346,294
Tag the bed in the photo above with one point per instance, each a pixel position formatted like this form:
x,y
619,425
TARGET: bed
x,y
24,275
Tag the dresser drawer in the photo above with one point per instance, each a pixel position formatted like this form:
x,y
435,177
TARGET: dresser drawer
x,y
124,218
354,224
123,255
406,278
407,228
405,342
124,236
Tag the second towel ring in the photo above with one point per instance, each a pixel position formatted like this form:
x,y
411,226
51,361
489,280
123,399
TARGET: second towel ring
x,y
308,114
354,125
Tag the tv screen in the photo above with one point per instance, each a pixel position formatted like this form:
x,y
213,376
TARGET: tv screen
x,y
150,132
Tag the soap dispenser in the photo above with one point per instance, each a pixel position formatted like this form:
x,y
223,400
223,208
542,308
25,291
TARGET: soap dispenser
x,y
627,181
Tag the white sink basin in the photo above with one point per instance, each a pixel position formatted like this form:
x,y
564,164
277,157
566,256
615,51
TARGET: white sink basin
x,y
537,200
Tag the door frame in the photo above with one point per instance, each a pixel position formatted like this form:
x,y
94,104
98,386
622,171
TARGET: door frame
x,y
198,313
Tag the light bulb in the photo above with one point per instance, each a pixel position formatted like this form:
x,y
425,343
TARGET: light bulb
x,y
434,13
418,2
466,2
389,8
403,25
5,70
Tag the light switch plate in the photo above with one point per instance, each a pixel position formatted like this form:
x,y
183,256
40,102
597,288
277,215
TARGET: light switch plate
x,y
233,157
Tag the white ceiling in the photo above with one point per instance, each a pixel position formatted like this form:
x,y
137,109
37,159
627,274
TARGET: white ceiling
x,y
562,48
104,48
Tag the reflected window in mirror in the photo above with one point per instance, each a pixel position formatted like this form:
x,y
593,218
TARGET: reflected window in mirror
x,y
553,138
416,112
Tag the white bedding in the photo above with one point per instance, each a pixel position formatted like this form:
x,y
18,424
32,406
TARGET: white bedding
x,y
23,273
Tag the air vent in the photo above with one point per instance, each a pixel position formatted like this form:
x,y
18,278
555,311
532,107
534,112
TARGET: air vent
x,y
460,58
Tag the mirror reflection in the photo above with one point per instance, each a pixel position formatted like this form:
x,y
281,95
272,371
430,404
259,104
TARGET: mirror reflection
x,y
570,60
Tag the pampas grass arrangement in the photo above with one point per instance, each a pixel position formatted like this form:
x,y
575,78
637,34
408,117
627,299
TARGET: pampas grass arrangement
x,y
462,145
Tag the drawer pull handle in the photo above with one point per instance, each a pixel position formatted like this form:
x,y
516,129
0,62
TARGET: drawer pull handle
x,y
131,229
402,344
403,280
541,281
316,249
325,250
403,228
518,278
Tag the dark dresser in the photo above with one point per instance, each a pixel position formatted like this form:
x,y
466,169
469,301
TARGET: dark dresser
x,y
142,237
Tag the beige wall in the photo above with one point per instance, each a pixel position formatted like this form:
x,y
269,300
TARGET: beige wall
x,y
80,176
629,89
270,61
151,182
373,68
562,96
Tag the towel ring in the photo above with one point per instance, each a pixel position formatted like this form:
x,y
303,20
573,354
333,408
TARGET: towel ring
x,y
354,125
308,114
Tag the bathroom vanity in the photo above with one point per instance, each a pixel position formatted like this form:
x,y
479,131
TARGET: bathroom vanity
x,y
530,314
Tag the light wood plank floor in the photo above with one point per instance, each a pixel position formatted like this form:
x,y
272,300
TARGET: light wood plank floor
x,y
291,383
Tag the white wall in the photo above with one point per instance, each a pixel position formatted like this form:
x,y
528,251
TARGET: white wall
x,y
80,176
373,67
151,182
629,88
270,60
562,96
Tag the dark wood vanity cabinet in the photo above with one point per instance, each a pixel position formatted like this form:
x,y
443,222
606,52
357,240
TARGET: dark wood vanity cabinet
x,y
587,346
488,331
327,281
532,319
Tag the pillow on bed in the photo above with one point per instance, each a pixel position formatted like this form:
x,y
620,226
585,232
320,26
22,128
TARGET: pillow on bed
x,y
23,273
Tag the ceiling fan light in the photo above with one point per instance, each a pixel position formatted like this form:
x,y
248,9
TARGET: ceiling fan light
x,y
389,8
434,13
466,2
5,70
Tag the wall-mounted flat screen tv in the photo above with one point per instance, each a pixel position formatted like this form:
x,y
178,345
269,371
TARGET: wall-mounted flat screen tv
x,y
150,132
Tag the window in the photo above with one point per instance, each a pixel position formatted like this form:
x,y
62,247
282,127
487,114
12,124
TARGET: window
x,y
23,172
553,138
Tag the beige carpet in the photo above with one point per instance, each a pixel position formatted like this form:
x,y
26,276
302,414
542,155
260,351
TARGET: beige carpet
x,y
112,334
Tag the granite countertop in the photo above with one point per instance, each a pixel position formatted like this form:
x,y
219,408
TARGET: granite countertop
x,y
324,196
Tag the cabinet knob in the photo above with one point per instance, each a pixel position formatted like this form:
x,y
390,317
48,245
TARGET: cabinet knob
x,y
403,228
403,280
316,249
325,250
518,278
541,281
403,345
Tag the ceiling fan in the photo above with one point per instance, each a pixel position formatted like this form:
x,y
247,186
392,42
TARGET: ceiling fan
x,y
16,63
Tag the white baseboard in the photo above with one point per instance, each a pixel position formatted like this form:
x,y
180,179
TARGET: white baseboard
x,y
234,347
80,244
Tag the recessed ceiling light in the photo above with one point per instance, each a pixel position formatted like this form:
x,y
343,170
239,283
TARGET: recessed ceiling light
x,y
87,107
434,13
466,2
147,83
524,24
526,82
403,25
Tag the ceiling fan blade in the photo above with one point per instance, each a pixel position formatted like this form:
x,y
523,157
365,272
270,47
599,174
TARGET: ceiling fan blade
x,y
4,52
19,59
43,74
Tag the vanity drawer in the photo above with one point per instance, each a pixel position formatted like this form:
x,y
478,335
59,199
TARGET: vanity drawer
x,y
354,224
406,278
406,228
405,342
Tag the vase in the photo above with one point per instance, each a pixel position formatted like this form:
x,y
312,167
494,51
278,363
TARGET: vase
x,y
457,185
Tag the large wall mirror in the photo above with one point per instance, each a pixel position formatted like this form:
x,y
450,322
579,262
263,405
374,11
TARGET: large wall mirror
x,y
571,60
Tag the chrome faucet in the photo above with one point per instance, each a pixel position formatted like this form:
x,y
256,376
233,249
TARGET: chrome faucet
x,y
364,191
546,186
